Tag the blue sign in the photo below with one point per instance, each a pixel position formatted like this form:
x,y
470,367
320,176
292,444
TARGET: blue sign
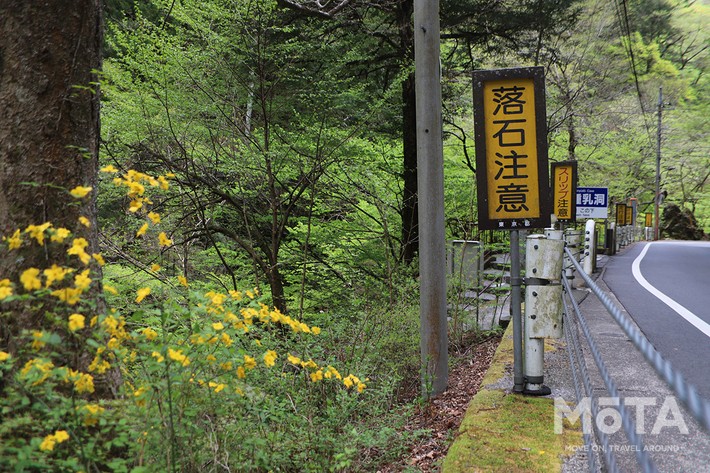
x,y
592,202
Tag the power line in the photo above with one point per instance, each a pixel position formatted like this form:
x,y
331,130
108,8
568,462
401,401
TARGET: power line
x,y
624,24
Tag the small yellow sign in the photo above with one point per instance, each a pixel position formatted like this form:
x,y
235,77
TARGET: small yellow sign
x,y
649,220
629,215
564,190
621,214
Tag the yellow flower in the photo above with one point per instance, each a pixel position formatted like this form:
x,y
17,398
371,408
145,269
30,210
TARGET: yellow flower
x,y
69,295
111,289
249,362
315,330
142,294
150,334
85,221
55,273
99,258
141,231
226,339
60,234
332,372
154,217
155,267
78,248
79,191
84,383
218,326
177,355
51,440
15,241
29,279
164,184
82,280
159,358
317,376
37,342
182,280
109,169
37,231
361,387
76,322
4,356
5,289
241,374
164,240
294,360
270,358
135,205
92,412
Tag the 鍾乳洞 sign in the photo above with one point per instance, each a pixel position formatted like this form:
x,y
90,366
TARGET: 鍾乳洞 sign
x,y
592,202
564,190
511,149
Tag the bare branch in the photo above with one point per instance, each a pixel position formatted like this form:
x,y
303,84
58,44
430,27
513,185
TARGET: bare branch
x,y
319,8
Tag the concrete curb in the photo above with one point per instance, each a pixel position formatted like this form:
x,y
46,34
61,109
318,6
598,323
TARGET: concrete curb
x,y
509,432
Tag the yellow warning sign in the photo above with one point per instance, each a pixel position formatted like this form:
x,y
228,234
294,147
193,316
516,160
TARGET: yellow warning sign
x,y
511,149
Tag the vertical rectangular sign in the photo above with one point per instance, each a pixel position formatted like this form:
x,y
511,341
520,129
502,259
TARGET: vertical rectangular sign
x,y
630,215
511,149
649,220
564,190
620,214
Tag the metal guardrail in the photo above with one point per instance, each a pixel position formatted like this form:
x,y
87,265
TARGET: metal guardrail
x,y
688,394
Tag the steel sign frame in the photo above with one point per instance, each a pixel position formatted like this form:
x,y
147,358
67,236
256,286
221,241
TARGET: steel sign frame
x,y
511,149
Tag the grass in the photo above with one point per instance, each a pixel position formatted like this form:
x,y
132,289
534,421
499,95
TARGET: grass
x,y
508,432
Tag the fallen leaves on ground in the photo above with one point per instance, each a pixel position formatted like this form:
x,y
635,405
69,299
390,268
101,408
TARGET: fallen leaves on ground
x,y
442,415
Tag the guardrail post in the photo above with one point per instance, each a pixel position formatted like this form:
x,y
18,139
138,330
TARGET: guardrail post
x,y
573,240
589,247
543,305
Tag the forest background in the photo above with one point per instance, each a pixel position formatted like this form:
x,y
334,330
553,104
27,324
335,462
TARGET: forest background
x,y
285,131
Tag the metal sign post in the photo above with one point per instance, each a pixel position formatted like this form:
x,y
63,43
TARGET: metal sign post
x,y
512,170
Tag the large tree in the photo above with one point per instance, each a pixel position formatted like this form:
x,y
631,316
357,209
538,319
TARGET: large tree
x,y
50,53
477,30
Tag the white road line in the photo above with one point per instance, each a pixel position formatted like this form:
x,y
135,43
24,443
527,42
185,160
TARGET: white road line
x,y
696,321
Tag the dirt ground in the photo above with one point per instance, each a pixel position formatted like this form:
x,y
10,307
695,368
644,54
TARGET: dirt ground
x,y
442,415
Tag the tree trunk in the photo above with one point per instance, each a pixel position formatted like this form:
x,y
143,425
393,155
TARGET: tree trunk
x,y
49,133
409,211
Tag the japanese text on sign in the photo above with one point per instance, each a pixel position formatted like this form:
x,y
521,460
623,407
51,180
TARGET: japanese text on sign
x,y
564,188
592,202
511,149
510,142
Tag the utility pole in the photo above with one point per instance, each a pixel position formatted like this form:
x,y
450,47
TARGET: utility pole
x,y
658,166
430,183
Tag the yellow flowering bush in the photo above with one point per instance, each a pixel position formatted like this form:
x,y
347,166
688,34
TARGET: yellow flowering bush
x,y
178,361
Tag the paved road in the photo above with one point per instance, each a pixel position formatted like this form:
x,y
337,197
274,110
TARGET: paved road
x,y
665,287
673,439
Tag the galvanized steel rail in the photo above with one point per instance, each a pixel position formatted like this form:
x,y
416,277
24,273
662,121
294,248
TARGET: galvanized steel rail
x,y
688,394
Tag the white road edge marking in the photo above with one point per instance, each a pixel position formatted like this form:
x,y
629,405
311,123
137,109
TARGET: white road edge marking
x,y
693,319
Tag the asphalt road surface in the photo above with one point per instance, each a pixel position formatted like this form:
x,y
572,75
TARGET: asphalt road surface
x,y
665,288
